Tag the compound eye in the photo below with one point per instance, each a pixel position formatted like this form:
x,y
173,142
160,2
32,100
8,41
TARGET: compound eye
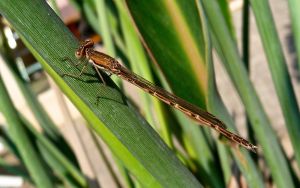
x,y
78,54
89,43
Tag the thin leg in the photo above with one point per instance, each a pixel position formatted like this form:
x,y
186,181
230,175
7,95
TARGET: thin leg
x,y
81,72
83,68
99,74
101,77
70,61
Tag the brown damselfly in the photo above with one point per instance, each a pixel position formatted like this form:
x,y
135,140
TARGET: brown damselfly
x,y
104,62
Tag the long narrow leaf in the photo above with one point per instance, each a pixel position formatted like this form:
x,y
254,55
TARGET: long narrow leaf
x,y
27,151
216,106
60,163
40,114
130,138
294,6
140,65
279,72
173,38
261,124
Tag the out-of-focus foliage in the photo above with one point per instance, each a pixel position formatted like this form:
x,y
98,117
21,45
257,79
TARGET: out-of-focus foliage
x,y
170,43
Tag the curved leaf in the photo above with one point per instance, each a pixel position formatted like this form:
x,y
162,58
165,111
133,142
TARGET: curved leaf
x,y
173,37
261,125
130,138
29,155
279,71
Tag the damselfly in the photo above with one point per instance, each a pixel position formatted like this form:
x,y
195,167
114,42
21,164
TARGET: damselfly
x,y
104,62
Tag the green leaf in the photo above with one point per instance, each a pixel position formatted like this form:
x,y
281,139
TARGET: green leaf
x,y
131,139
294,6
279,71
40,114
102,13
216,106
261,125
29,155
54,157
173,37
175,45
225,10
139,64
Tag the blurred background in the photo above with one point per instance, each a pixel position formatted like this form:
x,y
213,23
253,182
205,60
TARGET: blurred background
x,y
98,166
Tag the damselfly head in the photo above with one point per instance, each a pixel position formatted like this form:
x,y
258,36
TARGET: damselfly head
x,y
84,45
